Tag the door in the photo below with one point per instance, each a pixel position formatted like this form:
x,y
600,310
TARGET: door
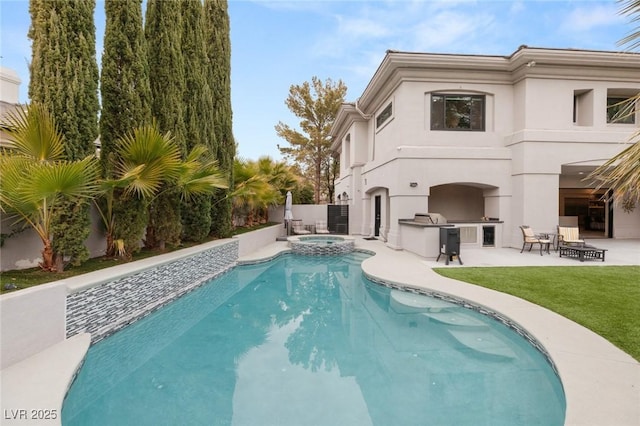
x,y
376,221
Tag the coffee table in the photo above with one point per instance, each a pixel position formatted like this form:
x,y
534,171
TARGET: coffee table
x,y
582,252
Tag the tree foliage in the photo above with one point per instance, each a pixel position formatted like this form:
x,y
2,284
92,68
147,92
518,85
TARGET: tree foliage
x,y
163,25
64,79
37,181
258,185
218,43
199,113
64,71
125,91
316,104
126,104
149,163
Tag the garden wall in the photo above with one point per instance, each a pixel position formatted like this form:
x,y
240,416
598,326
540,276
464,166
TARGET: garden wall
x,y
104,301
105,308
308,213
31,320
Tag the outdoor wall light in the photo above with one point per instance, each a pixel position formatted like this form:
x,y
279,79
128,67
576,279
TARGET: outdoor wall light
x,y
413,184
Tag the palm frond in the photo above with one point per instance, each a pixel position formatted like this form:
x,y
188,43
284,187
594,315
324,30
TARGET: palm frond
x,y
150,157
32,132
77,179
631,8
621,174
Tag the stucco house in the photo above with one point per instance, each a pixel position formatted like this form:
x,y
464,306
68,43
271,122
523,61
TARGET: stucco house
x,y
9,86
487,142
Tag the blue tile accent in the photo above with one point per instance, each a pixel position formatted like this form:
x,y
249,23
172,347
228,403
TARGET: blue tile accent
x,y
336,247
105,309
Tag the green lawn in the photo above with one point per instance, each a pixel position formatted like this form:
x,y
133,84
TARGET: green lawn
x,y
605,299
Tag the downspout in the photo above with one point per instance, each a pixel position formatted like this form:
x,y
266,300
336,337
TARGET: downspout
x,y
365,116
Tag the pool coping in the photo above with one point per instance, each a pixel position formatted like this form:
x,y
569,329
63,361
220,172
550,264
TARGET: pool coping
x,y
601,382
33,392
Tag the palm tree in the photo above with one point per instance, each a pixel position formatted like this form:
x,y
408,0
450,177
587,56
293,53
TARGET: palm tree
x,y
36,178
258,185
145,162
621,174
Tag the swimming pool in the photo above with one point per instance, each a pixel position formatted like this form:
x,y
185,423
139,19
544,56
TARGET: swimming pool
x,y
308,340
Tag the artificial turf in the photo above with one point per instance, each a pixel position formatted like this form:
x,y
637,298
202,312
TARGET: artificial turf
x,y
605,299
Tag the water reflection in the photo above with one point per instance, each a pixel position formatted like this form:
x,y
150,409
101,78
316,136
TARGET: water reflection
x,y
306,340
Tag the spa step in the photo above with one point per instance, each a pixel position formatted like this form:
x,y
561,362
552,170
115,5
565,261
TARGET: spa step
x,y
404,302
456,318
484,342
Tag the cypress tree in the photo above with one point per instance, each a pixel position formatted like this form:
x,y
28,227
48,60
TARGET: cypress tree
x,y
163,25
64,78
126,95
198,113
126,104
219,54
64,72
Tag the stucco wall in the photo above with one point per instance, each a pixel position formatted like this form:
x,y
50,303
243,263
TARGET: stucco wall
x,y
24,249
254,240
529,138
625,225
31,320
308,213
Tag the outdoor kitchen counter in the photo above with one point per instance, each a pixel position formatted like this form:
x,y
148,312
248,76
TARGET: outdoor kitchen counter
x,y
423,238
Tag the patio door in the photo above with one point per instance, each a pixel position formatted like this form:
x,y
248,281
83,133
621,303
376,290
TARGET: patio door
x,y
376,221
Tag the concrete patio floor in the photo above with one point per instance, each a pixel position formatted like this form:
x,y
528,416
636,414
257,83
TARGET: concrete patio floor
x,y
601,383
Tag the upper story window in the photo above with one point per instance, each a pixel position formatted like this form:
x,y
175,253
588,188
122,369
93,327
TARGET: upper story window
x,y
621,110
457,112
385,115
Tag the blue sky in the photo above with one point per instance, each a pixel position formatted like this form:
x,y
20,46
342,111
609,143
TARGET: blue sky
x,y
277,43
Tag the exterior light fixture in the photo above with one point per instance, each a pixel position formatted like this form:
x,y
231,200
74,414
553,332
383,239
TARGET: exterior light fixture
x,y
413,184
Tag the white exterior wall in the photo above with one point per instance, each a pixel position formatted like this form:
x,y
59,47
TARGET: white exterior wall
x,y
520,161
24,249
9,85
32,320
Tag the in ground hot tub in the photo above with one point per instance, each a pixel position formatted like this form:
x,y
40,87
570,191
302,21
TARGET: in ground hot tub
x,y
321,245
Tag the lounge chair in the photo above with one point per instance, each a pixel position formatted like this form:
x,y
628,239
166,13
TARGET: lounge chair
x,y
321,227
298,228
569,235
531,238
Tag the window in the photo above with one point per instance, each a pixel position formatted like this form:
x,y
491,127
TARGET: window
x,y
620,110
457,112
384,115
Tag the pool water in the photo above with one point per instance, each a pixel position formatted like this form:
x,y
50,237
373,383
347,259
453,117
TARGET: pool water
x,y
321,240
306,340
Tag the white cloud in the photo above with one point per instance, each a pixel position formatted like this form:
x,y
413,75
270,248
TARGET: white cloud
x,y
587,18
450,30
516,7
292,5
361,28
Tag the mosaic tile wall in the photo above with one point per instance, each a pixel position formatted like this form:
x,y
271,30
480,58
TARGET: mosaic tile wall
x,y
310,249
105,309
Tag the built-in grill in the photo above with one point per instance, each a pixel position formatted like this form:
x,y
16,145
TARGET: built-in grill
x,y
430,218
